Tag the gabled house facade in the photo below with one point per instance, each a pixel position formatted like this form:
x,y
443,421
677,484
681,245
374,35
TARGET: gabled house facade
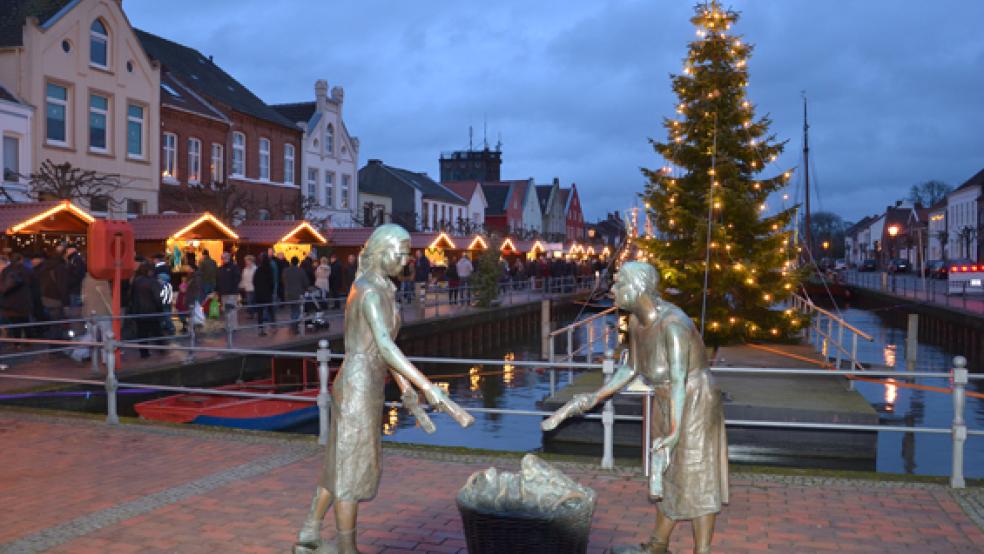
x,y
964,220
573,215
418,202
15,149
553,204
329,158
260,157
96,92
936,236
474,194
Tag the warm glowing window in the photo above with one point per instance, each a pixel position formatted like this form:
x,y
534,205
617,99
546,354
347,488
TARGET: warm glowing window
x,y
194,160
238,154
98,113
169,157
289,164
98,44
217,169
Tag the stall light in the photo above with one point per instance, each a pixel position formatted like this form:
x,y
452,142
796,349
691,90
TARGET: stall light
x,y
478,243
437,241
207,217
62,206
508,246
309,227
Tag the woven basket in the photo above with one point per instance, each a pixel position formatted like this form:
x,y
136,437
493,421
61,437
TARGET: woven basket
x,y
525,533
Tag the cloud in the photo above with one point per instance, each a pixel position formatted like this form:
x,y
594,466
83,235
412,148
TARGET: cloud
x,y
576,89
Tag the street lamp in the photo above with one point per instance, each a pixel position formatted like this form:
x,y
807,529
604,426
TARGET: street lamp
x,y
893,230
826,245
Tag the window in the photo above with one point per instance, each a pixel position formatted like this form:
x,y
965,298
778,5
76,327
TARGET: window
x,y
11,159
194,160
217,169
263,215
343,202
425,219
329,138
98,109
329,189
312,183
134,131
169,158
135,207
99,204
238,154
98,44
265,159
238,216
289,164
56,106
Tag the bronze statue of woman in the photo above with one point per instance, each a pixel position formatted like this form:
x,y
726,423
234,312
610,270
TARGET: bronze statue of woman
x,y
666,349
353,460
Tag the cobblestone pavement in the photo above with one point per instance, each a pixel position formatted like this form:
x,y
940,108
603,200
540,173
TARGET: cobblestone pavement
x,y
77,486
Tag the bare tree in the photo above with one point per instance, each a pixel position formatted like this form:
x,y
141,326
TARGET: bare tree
x,y
225,201
928,193
62,181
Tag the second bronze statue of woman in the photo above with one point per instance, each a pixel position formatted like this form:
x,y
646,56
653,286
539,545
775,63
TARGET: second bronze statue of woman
x,y
690,451
353,461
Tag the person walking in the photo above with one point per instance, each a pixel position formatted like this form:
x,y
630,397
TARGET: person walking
x,y
421,276
263,293
454,281
208,271
294,282
16,304
465,269
54,278
322,275
335,280
227,285
246,284
145,298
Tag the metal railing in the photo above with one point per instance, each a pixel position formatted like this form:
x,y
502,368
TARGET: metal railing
x,y
587,347
822,333
911,286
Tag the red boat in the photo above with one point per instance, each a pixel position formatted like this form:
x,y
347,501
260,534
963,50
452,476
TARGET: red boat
x,y
287,377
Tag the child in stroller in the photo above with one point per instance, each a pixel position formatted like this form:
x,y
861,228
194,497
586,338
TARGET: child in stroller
x,y
315,307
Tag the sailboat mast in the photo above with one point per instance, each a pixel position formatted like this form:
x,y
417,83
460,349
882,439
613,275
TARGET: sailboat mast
x,y
807,232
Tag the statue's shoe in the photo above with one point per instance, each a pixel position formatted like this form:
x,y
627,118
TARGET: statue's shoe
x,y
320,546
651,547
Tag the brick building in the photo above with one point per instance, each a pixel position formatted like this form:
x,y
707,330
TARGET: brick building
x,y
219,136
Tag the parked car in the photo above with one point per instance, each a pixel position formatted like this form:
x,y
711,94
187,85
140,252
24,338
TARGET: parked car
x,y
936,269
840,263
898,265
869,265
958,262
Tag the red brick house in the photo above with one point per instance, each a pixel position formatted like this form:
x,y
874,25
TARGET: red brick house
x,y
214,130
575,217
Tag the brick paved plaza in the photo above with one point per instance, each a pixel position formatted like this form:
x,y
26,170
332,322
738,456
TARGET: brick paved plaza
x,y
72,485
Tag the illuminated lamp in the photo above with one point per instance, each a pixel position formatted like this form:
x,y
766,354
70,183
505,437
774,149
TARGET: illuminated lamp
x,y
210,218
63,206
437,241
299,228
478,243
507,246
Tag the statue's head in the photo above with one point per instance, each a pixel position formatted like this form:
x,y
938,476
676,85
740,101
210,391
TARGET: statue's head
x,y
633,280
386,251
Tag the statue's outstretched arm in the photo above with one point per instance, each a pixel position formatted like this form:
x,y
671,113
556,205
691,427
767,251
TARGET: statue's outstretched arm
x,y
583,402
399,363
411,403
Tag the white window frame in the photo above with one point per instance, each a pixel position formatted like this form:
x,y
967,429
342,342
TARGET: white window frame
x,y
142,122
330,138
329,189
346,190
288,164
264,149
194,161
238,147
103,112
97,36
64,103
217,167
313,176
169,157
16,158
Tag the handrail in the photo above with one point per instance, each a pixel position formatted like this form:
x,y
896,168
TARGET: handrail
x,y
584,321
835,317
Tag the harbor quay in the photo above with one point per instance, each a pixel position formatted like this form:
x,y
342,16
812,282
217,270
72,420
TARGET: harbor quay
x,y
77,485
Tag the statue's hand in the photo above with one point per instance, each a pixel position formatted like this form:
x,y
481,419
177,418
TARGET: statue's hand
x,y
669,443
579,404
441,402
412,404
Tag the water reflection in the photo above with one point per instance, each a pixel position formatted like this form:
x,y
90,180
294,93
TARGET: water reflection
x,y
891,393
888,355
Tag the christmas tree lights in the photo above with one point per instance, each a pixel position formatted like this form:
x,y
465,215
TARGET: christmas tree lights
x,y
712,221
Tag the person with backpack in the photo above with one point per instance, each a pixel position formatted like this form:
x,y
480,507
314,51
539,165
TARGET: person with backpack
x,y
145,298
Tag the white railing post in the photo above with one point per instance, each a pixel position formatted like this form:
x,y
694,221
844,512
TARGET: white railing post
x,y
959,428
190,324
93,333
231,316
570,350
324,353
545,328
109,345
840,342
608,416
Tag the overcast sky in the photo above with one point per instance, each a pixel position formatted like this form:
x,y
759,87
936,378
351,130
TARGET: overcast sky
x,y
576,88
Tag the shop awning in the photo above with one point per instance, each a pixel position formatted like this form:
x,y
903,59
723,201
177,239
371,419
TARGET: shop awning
x,y
56,216
433,240
276,231
181,226
349,236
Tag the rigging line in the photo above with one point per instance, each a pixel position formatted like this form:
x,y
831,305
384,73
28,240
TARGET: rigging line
x,y
710,214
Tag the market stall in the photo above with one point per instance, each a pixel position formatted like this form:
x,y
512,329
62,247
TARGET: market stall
x,y
477,245
183,238
436,247
292,238
37,227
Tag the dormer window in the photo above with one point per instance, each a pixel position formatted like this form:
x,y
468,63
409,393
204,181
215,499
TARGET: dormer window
x,y
330,139
98,44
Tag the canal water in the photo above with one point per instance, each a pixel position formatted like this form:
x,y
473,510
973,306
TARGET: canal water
x,y
521,388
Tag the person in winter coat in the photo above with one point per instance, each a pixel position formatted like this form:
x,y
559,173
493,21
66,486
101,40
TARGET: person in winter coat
x,y
263,291
227,282
454,281
307,266
322,274
246,282
294,282
54,278
421,275
77,271
145,298
335,280
16,304
208,270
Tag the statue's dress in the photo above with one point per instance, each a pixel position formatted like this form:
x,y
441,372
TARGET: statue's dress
x,y
354,458
696,478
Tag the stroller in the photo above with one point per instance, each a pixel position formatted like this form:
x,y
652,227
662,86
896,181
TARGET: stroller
x,y
316,304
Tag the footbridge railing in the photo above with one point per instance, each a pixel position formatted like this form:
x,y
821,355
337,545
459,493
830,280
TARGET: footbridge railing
x,y
827,333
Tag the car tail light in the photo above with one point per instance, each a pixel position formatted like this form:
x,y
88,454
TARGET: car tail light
x,y
973,268
963,268
953,269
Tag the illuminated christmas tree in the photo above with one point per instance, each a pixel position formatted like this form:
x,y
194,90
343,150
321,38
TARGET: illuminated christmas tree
x,y
710,203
